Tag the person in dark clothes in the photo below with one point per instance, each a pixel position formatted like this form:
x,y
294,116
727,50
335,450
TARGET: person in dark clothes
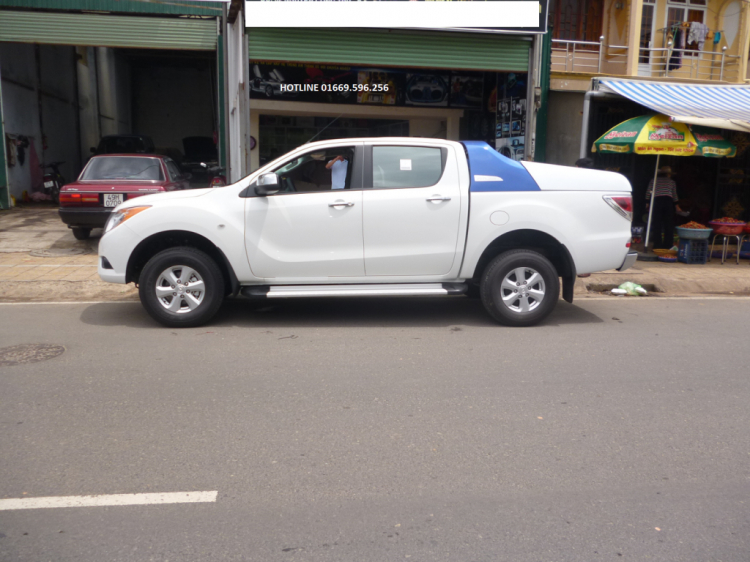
x,y
665,202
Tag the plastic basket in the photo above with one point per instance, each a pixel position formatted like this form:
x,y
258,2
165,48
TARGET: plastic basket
x,y
692,251
727,229
693,233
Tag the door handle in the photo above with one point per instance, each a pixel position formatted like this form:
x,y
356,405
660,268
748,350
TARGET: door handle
x,y
341,204
438,198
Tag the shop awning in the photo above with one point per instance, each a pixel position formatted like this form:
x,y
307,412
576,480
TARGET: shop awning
x,y
725,107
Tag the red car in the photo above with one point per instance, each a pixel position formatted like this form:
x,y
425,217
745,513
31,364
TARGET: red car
x,y
110,179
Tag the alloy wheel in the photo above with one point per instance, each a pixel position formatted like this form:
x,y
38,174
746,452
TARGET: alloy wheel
x,y
180,289
522,290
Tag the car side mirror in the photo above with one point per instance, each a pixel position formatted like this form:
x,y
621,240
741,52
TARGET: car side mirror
x,y
268,184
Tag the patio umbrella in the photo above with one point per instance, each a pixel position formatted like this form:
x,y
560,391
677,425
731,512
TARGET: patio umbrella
x,y
656,134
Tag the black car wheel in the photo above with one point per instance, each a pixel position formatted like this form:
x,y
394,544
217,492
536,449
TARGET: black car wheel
x,y
181,287
520,288
81,233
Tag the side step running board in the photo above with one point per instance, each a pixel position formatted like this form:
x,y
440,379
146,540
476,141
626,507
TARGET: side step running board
x,y
382,290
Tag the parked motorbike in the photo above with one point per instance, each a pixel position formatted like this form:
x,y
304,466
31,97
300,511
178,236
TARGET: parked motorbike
x,y
216,175
53,180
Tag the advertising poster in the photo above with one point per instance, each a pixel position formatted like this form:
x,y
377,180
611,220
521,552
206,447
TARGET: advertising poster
x,y
302,82
384,87
322,83
427,89
510,132
466,91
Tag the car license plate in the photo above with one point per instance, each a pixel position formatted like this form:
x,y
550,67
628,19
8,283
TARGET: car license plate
x,y
112,199
49,184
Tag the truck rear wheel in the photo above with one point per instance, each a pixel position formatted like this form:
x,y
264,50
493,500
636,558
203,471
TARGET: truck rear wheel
x,y
181,287
520,288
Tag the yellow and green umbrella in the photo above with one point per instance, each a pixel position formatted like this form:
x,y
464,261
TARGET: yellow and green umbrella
x,y
655,134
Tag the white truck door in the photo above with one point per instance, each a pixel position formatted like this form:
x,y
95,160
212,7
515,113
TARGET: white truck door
x,y
311,229
412,212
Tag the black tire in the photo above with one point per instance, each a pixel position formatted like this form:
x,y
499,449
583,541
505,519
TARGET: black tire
x,y
81,233
509,311
206,269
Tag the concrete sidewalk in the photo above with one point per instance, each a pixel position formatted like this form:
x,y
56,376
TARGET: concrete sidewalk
x,y
40,260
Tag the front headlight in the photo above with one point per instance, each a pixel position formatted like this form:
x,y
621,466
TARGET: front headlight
x,y
120,216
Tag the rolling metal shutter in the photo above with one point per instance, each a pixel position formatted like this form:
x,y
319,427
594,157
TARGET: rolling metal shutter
x,y
376,47
94,30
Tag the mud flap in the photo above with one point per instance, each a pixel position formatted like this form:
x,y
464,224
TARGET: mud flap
x,y
569,280
569,284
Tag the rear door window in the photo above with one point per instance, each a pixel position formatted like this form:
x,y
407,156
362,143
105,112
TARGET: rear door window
x,y
123,168
406,166
174,171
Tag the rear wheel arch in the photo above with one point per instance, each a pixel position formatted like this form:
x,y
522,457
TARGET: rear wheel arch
x,y
537,241
160,241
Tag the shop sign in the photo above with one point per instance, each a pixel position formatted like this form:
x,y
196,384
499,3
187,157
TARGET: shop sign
x,y
518,16
325,83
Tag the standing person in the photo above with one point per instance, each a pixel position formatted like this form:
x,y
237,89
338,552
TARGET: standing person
x,y
665,202
338,167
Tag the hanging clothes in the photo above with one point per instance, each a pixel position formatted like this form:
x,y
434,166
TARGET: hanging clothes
x,y
697,34
682,36
675,60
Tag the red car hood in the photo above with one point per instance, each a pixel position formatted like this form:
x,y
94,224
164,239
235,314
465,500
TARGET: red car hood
x,y
116,186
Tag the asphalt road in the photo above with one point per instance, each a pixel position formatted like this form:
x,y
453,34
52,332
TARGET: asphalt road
x,y
351,430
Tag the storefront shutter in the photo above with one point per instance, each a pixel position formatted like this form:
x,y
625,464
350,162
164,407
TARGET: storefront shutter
x,y
376,47
94,30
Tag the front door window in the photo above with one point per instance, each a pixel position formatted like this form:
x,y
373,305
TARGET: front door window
x,y
312,228
322,170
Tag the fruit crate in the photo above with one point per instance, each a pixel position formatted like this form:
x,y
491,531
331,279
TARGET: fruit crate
x,y
692,251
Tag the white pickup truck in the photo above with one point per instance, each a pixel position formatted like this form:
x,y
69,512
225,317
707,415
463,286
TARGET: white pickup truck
x,y
374,217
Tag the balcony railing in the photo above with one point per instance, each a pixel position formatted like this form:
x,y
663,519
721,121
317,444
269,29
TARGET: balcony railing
x,y
687,63
596,57
593,57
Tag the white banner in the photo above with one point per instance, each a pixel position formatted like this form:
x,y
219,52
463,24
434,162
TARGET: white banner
x,y
431,15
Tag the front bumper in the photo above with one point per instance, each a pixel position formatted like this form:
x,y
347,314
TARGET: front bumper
x,y
629,261
86,218
116,246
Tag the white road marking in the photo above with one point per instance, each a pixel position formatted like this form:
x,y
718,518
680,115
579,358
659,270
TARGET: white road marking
x,y
662,297
66,302
108,500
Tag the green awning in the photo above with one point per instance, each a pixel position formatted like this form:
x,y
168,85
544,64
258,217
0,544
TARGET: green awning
x,y
98,30
390,47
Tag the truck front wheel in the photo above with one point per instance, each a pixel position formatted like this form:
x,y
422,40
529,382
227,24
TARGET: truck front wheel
x,y
181,287
519,288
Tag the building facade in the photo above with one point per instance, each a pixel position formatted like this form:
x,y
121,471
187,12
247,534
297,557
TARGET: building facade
x,y
693,44
390,82
73,72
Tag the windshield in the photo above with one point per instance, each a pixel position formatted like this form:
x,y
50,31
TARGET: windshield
x,y
123,168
